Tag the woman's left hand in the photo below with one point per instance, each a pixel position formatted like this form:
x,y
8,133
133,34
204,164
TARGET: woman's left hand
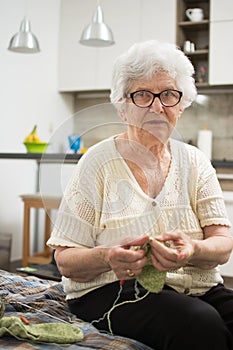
x,y
171,250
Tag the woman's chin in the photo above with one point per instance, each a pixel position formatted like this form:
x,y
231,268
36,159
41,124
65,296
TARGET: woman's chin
x,y
156,135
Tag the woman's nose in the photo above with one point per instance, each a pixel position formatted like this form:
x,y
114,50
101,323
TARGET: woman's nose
x,y
156,106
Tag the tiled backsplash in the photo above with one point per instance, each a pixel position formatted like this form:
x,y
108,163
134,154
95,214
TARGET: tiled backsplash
x,y
96,119
215,112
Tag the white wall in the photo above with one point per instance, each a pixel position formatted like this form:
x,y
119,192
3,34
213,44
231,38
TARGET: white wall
x,y
28,96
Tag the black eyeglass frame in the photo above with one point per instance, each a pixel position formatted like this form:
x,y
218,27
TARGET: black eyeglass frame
x,y
131,95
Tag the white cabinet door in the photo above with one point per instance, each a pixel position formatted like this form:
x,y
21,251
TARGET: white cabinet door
x,y
158,20
221,50
87,68
134,21
123,17
75,59
221,53
221,10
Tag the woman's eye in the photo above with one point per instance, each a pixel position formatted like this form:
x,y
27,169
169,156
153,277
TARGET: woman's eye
x,y
145,94
167,93
142,94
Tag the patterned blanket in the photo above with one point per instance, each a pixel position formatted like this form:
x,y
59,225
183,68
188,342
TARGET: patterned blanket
x,y
43,301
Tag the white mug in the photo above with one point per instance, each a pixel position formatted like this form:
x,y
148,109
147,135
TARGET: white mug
x,y
195,15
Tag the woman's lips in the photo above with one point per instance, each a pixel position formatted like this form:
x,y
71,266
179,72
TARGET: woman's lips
x,y
155,122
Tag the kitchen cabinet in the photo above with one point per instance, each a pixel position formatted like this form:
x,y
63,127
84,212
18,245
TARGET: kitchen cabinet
x,y
196,33
221,50
221,10
212,55
88,68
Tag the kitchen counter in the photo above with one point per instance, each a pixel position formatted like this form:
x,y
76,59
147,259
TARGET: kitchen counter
x,y
73,158
224,168
222,164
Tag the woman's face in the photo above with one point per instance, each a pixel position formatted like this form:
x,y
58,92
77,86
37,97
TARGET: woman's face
x,y
152,124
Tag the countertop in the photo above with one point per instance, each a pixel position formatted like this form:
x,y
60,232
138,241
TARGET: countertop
x,y
44,157
222,163
73,158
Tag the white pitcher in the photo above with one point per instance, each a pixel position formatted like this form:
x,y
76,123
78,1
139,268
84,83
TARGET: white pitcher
x,y
195,14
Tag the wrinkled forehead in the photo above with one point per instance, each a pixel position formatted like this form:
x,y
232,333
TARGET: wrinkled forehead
x,y
159,80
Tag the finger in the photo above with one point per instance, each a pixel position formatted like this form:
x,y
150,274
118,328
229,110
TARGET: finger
x,y
137,242
170,236
163,249
167,261
164,255
127,242
185,254
162,264
157,264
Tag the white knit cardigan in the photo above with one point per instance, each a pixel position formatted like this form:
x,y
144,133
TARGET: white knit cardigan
x,y
103,203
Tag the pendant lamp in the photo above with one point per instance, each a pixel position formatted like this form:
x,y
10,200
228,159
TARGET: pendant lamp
x,y
24,41
97,33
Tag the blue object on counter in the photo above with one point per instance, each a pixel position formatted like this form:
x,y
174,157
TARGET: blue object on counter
x,y
74,142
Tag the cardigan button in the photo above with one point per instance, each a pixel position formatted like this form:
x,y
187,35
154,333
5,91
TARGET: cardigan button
x,y
154,204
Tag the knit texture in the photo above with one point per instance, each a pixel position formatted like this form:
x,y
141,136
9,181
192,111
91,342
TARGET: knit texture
x,y
56,333
103,204
150,278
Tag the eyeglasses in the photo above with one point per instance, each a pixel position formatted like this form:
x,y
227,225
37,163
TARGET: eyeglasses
x,y
144,98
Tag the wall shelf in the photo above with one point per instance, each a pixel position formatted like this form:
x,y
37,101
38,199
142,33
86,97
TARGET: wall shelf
x,y
199,53
197,25
198,34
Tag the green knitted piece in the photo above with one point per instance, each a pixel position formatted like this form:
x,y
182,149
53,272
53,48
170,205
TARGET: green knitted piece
x,y
150,278
56,333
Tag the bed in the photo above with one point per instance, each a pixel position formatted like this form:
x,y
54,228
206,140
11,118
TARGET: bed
x,y
36,301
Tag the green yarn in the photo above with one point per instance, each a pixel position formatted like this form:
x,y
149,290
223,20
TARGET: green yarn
x,y
150,278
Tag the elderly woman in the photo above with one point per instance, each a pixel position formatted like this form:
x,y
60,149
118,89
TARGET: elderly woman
x,y
143,191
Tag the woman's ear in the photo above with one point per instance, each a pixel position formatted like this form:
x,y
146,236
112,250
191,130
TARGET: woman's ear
x,y
181,110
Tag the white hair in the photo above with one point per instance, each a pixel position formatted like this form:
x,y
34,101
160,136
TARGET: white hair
x,y
143,60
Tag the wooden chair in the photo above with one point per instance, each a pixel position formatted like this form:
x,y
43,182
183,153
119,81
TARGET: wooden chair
x,y
38,202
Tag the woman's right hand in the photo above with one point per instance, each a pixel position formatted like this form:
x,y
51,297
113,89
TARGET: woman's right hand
x,y
127,262
85,264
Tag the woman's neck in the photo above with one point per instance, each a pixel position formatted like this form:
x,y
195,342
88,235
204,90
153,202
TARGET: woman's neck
x,y
145,155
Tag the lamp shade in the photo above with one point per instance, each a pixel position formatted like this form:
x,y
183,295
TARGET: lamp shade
x,y
97,33
24,41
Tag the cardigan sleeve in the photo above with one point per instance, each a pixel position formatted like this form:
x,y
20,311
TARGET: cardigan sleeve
x,y
211,208
76,222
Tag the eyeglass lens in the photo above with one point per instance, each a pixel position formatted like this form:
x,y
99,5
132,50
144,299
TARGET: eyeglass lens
x,y
145,98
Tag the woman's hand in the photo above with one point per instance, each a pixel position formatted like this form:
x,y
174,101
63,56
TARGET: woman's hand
x,y
178,249
85,264
171,250
127,262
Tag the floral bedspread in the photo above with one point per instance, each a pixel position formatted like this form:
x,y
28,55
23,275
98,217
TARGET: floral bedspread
x,y
43,301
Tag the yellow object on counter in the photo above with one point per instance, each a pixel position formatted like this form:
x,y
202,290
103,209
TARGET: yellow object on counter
x,y
33,136
83,150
